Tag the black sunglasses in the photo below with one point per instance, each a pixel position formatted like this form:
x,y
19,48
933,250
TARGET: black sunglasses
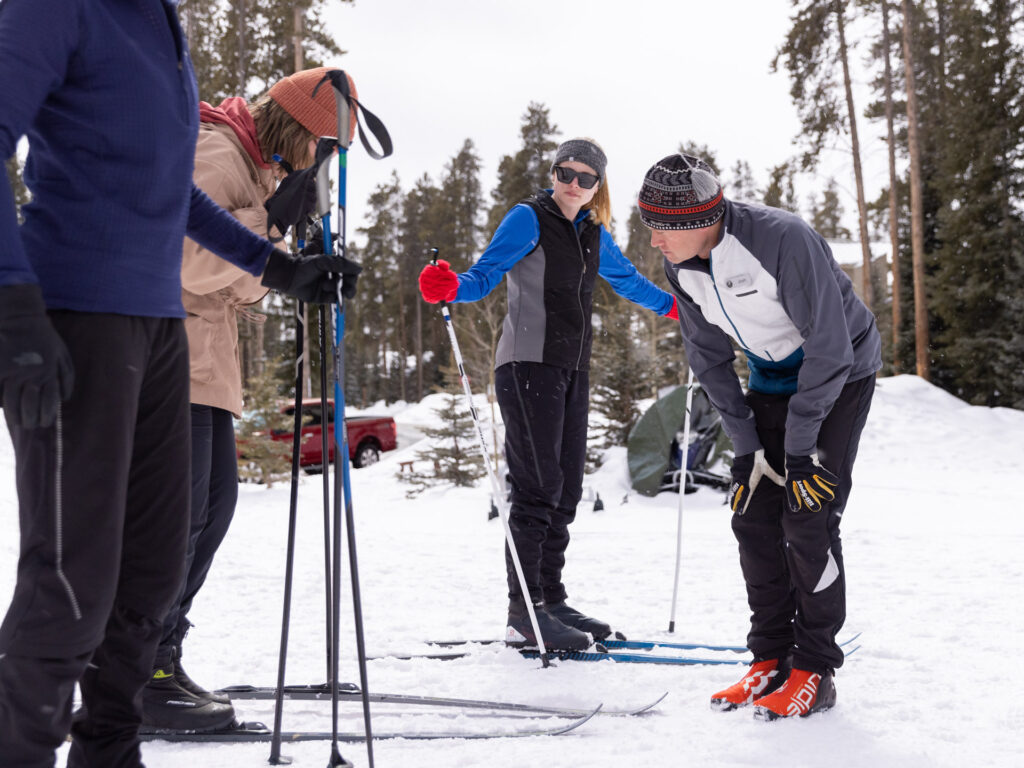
x,y
566,175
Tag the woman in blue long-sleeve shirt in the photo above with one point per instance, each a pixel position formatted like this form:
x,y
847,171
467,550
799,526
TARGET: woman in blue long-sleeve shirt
x,y
551,248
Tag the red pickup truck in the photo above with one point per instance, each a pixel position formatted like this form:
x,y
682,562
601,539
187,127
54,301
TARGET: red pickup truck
x,y
368,436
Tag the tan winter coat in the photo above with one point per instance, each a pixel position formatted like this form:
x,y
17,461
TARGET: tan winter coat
x,y
214,289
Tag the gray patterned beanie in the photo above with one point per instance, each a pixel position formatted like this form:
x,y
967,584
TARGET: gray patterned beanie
x,y
680,192
581,151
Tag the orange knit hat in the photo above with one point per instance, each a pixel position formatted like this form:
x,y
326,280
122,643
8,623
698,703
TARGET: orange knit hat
x,y
317,115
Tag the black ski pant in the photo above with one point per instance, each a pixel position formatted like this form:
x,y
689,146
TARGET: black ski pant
x,y
103,509
793,561
214,495
545,413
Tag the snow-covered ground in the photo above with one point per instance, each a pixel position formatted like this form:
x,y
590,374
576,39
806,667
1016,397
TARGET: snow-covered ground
x,y
933,537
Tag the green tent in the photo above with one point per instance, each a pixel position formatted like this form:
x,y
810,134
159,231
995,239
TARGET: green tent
x,y
652,439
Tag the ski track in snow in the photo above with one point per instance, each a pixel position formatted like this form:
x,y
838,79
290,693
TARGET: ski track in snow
x,y
932,538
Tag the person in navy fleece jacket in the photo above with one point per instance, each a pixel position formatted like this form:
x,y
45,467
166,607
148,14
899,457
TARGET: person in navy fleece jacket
x,y
94,366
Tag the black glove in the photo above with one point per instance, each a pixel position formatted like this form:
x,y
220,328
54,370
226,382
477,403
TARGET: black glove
x,y
293,201
35,367
312,278
747,471
809,486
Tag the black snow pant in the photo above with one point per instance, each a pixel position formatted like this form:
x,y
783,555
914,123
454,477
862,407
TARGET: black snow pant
x,y
103,508
214,495
545,413
793,561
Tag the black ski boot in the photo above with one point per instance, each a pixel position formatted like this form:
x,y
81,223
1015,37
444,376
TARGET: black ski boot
x,y
181,678
167,707
557,636
573,618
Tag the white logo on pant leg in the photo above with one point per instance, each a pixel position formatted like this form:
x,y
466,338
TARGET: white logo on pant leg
x,y
756,683
829,574
804,698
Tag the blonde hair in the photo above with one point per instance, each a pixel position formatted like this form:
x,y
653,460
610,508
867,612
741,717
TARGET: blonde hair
x,y
600,205
279,133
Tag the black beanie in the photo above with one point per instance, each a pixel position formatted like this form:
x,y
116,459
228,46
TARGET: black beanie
x,y
680,192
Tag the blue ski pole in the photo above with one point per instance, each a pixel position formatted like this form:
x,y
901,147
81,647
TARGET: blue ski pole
x,y
345,103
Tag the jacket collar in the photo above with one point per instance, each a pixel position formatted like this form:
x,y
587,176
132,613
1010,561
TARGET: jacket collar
x,y
547,202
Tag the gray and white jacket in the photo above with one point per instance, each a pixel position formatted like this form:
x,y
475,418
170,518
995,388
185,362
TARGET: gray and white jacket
x,y
772,285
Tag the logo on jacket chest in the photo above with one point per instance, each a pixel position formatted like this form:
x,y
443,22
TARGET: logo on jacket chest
x,y
739,285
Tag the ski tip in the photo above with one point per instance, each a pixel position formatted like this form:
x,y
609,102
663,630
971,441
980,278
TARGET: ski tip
x,y
577,723
652,705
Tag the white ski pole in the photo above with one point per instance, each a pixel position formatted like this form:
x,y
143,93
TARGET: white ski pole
x,y
683,466
499,497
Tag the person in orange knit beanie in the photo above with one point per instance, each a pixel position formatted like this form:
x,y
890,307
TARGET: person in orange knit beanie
x,y
234,165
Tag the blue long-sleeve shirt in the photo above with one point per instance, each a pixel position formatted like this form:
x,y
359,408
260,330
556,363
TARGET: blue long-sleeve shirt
x,y
518,234
105,93
552,264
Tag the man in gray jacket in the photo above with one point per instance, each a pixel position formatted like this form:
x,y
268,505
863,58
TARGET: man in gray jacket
x,y
762,279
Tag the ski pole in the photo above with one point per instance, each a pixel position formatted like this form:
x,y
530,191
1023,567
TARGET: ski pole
x,y
495,487
684,460
275,744
340,455
344,101
326,419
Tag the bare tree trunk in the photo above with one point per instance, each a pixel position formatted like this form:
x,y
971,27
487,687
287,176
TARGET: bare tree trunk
x,y
401,346
419,350
297,12
862,208
916,212
894,237
241,69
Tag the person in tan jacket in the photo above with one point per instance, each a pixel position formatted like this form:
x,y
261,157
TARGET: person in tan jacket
x,y
234,166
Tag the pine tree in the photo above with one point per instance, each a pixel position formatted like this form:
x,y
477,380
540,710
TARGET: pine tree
x,y
659,351
242,47
980,177
919,218
617,379
459,228
741,185
263,459
885,85
529,169
453,456
781,191
827,214
374,322
420,230
815,45
205,24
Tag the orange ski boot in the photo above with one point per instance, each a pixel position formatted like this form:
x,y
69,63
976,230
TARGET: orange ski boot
x,y
762,678
803,694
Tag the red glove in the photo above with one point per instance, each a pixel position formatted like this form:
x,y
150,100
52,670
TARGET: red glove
x,y
673,314
438,282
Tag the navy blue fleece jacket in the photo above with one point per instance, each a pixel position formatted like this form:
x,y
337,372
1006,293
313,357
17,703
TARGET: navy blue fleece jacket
x,y
105,93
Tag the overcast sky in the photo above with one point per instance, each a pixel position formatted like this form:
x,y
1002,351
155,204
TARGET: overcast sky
x,y
640,76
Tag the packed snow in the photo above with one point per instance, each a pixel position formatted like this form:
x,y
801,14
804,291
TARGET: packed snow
x,y
933,535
